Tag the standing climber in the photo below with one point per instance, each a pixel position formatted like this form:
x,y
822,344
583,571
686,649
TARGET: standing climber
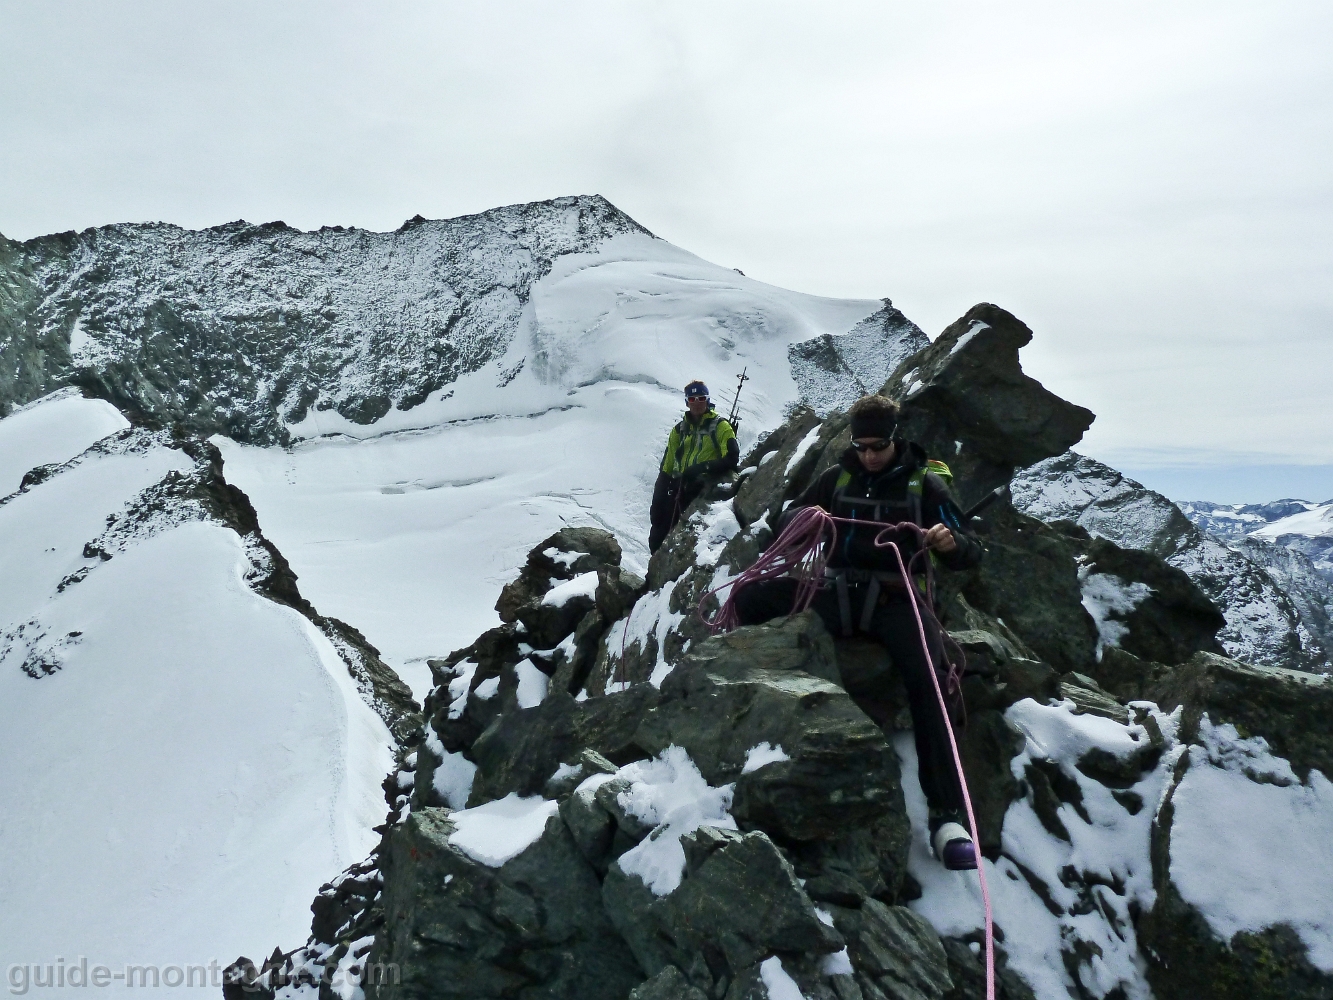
x,y
701,447
885,479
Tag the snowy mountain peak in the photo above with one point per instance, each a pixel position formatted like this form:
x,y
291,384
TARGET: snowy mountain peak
x,y
242,329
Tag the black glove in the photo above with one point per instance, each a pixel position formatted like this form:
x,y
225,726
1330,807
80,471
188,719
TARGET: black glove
x,y
694,472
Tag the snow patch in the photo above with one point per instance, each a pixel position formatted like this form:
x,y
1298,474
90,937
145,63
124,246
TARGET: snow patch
x,y
780,986
976,327
716,527
453,775
760,754
1105,594
532,683
495,832
806,444
669,793
650,618
583,585
1249,842
460,686
565,559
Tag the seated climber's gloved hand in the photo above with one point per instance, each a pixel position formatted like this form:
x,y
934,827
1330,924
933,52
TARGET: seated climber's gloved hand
x,y
695,472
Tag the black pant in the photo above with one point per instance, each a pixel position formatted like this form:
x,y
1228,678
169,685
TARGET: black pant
x,y
671,496
894,625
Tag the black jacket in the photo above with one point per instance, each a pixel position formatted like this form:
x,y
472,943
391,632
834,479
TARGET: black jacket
x,y
884,496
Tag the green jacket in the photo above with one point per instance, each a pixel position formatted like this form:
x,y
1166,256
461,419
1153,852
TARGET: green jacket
x,y
691,443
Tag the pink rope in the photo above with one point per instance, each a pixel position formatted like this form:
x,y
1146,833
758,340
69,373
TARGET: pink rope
x,y
802,551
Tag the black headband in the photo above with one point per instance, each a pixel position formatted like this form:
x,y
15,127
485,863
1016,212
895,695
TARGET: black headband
x,y
878,425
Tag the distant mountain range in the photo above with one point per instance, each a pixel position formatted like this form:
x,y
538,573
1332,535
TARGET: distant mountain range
x,y
1299,525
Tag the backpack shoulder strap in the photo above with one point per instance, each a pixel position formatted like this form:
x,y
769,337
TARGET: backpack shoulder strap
x,y
712,433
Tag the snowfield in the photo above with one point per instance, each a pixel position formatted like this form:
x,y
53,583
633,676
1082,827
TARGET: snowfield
x,y
51,431
182,761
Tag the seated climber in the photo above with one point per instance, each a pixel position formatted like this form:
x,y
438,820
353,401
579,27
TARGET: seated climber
x,y
885,479
702,446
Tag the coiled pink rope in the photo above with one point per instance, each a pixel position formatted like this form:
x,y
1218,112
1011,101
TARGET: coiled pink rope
x,y
802,551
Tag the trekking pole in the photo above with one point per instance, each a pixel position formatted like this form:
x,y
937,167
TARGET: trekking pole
x,y
741,379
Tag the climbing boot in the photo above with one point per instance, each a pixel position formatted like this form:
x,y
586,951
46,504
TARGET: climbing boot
x,y
952,844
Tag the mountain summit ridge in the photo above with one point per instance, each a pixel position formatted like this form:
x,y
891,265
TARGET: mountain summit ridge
x,y
241,329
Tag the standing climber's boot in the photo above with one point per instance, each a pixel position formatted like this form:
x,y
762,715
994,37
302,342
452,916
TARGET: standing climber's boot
x,y
952,843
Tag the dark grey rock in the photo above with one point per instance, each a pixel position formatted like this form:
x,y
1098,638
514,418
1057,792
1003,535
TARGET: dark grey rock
x,y
759,491
969,387
740,904
1291,709
1029,579
1089,698
968,971
987,745
669,984
518,752
895,952
531,928
576,551
1174,621
766,684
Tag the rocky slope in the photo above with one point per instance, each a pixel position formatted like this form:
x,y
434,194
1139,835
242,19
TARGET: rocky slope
x,y
1277,606
241,329
609,802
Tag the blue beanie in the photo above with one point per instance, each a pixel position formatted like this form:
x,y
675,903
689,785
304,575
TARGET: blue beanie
x,y
696,388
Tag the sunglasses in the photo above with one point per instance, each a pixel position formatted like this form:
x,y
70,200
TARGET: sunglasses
x,y
879,445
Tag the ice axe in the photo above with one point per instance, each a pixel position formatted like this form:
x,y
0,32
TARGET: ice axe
x,y
741,379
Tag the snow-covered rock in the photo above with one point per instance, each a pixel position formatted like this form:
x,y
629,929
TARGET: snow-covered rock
x,y
1276,610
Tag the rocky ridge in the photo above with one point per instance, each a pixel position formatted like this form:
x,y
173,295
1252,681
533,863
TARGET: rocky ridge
x,y
241,329
609,802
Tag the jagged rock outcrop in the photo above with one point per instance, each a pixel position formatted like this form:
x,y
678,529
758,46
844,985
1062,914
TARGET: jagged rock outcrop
x,y
966,400
240,329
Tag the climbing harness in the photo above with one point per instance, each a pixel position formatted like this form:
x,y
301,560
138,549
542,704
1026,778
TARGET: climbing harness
x,y
802,551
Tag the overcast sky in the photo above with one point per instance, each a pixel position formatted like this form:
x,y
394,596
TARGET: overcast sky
x,y
1149,186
